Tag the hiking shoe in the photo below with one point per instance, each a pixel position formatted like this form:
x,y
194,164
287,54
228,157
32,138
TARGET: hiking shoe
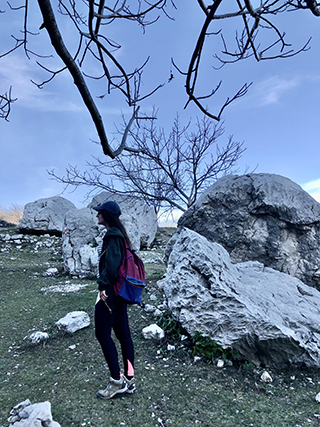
x,y
131,385
114,387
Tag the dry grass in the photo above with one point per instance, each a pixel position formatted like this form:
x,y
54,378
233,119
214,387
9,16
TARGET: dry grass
x,y
12,215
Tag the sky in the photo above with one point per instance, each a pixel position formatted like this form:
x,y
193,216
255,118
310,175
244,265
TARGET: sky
x,y
48,129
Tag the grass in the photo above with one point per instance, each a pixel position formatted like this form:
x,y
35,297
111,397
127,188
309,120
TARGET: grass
x,y
173,389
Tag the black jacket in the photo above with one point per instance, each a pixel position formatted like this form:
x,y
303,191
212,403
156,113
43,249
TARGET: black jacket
x,y
113,249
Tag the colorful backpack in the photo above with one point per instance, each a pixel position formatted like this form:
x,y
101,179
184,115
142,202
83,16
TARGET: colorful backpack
x,y
131,277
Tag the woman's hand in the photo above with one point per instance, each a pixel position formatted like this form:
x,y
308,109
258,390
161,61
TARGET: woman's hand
x,y
103,295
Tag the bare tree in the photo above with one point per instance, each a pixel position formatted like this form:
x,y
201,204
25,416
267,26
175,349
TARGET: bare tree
x,y
92,20
5,104
169,171
246,41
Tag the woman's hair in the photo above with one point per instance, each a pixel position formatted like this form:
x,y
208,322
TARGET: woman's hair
x,y
114,221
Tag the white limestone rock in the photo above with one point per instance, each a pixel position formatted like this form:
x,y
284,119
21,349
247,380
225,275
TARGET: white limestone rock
x,y
50,272
269,317
153,331
74,321
266,377
38,336
45,215
261,217
26,414
80,241
133,208
82,234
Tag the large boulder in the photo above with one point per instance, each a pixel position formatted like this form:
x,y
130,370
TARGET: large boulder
x,y
80,241
136,215
81,237
45,215
269,317
261,217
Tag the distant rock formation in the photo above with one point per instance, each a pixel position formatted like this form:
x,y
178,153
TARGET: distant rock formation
x,y
269,317
45,216
82,234
80,241
261,217
135,212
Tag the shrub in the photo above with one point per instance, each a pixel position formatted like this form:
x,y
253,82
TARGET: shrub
x,y
13,215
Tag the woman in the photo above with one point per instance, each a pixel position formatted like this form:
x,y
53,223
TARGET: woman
x,y
110,310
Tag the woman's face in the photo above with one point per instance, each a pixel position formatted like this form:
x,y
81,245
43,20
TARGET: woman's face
x,y
101,220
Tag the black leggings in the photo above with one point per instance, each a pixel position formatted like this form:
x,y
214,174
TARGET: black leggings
x,y
118,320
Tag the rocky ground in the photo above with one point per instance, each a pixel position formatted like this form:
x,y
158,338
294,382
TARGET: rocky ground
x,y
175,386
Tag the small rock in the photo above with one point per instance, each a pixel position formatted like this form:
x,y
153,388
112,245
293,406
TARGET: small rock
x,y
50,272
317,398
74,321
38,336
153,331
171,347
220,363
266,377
26,414
149,308
157,312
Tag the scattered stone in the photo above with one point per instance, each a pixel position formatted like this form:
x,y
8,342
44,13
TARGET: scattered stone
x,y
72,347
74,321
153,331
149,308
171,347
17,237
220,363
266,377
26,414
317,398
66,288
157,312
50,272
5,237
38,336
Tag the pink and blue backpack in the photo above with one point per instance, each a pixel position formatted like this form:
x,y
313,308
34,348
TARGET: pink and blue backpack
x,y
131,277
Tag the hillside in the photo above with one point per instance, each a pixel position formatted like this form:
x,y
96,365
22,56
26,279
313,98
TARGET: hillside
x,y
174,387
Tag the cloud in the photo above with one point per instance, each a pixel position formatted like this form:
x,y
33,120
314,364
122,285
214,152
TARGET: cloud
x,y
17,72
270,90
313,188
59,95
